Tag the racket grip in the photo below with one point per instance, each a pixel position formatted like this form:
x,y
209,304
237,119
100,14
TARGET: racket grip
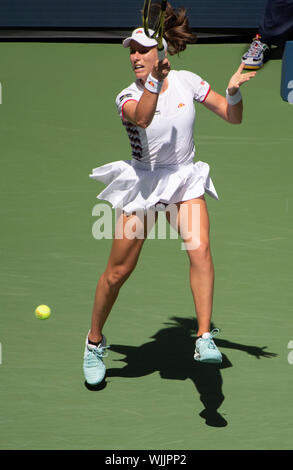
x,y
161,54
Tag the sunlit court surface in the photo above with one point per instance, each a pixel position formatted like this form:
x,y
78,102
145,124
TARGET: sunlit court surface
x,y
58,121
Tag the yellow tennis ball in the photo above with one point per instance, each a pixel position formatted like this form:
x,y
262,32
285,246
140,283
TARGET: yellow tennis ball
x,y
42,312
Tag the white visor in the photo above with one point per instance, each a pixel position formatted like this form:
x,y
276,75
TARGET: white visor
x,y
139,36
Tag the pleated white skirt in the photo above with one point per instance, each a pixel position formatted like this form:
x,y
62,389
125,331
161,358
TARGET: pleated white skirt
x,y
133,185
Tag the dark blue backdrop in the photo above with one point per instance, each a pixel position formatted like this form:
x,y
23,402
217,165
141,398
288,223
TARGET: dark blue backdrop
x,y
126,14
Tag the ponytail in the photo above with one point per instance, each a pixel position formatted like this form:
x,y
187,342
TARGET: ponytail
x,y
176,30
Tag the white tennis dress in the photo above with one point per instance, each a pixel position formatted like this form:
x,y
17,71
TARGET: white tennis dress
x,y
161,170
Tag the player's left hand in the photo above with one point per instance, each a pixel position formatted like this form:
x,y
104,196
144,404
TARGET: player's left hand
x,y
238,79
258,352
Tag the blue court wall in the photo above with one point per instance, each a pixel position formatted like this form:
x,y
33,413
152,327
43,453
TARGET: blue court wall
x,y
124,14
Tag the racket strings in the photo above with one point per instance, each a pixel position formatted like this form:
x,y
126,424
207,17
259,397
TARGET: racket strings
x,y
153,17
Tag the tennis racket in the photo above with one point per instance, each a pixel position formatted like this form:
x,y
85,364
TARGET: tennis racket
x,y
153,19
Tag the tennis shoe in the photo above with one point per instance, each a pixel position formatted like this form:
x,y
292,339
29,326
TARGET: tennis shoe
x,y
205,348
93,366
255,57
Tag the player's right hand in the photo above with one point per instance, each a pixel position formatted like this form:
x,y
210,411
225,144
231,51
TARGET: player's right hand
x,y
161,69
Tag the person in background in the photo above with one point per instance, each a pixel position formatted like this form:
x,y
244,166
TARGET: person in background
x,y
275,28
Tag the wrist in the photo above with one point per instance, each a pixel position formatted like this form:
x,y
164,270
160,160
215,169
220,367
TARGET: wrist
x,y
152,84
235,98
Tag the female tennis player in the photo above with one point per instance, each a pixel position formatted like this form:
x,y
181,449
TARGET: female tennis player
x,y
158,112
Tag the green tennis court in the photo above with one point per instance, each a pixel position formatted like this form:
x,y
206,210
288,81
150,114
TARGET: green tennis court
x,y
58,121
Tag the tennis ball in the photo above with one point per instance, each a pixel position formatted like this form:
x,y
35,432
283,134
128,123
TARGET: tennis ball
x,y
42,312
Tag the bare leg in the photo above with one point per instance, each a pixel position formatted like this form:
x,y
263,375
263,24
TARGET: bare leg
x,y
122,261
201,264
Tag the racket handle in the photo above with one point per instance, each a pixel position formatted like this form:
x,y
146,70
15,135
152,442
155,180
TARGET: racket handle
x,y
161,54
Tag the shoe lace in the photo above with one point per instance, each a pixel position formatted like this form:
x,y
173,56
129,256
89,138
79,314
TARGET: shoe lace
x,y
255,47
213,333
97,353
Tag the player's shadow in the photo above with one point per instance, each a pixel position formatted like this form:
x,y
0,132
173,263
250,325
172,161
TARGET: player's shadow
x,y
171,354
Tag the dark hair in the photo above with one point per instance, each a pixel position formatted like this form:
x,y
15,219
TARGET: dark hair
x,y
176,30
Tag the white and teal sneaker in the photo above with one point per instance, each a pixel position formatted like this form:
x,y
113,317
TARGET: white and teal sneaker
x,y
93,366
205,348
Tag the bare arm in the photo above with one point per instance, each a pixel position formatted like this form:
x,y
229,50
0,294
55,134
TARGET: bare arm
x,y
218,103
141,112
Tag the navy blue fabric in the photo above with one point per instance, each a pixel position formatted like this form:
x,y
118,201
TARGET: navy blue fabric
x,y
287,73
276,25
